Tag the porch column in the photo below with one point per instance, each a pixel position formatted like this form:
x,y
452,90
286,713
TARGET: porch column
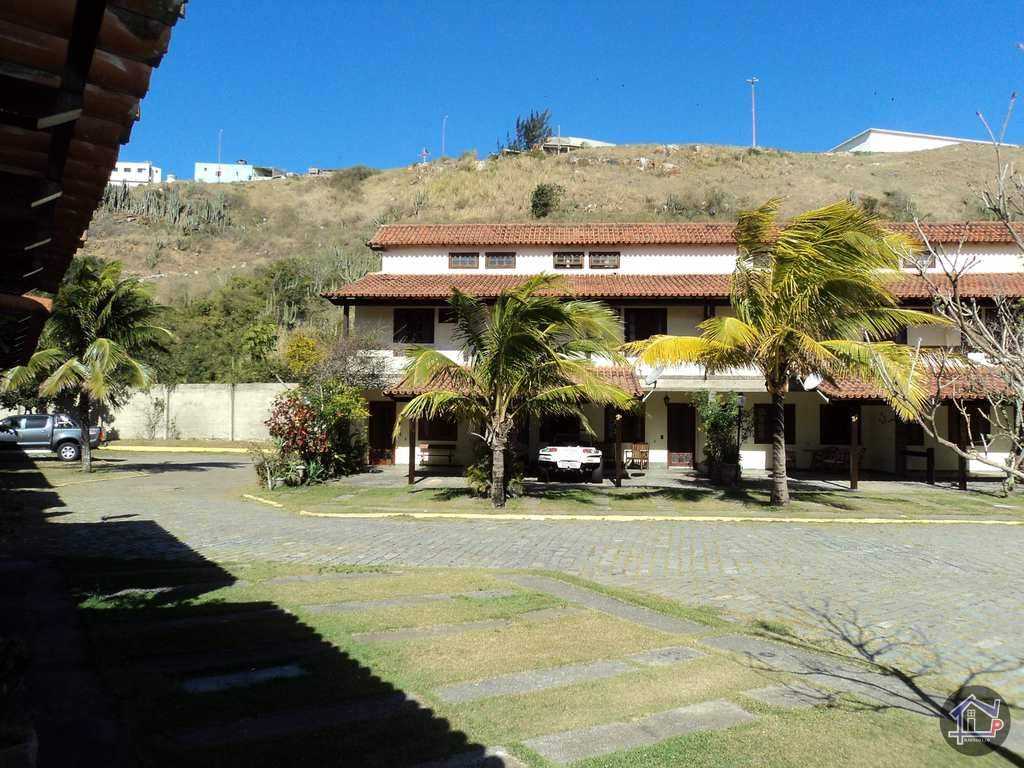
x,y
412,451
854,453
618,450
345,322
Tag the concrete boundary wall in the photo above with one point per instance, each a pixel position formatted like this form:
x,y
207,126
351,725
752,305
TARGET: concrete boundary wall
x,y
196,412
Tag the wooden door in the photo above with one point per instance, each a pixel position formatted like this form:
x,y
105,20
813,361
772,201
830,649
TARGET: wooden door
x,y
682,434
382,425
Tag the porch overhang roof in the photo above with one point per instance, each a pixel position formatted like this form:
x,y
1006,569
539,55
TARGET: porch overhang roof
x,y
387,288
963,383
621,376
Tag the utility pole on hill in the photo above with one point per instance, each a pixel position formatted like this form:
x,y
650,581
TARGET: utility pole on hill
x,y
753,111
444,126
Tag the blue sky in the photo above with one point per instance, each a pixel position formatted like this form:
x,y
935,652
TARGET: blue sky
x,y
334,83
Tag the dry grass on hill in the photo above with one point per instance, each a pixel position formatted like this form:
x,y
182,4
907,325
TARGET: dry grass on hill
x,y
330,217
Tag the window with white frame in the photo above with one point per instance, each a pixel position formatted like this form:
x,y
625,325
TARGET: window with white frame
x,y
568,260
604,259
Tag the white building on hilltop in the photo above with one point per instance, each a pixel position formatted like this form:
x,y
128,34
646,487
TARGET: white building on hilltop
x,y
226,173
132,174
885,140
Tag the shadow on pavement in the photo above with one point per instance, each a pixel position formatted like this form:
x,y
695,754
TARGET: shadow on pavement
x,y
129,666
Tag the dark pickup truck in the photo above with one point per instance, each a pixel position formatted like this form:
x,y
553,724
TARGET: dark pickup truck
x,y
57,432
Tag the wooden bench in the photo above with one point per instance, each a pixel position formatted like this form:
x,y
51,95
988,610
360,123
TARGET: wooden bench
x,y
436,453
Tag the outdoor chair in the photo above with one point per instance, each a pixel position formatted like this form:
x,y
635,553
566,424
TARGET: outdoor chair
x,y
639,455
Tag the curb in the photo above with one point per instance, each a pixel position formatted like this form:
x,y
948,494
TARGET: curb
x,y
648,518
170,449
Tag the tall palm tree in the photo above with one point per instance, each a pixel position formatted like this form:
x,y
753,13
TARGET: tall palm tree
x,y
525,355
809,298
100,324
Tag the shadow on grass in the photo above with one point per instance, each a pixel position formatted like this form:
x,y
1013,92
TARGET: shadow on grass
x,y
149,672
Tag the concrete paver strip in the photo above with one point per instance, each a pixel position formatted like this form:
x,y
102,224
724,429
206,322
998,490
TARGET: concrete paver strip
x,y
278,724
223,659
570,746
792,696
557,677
598,602
214,683
532,680
408,601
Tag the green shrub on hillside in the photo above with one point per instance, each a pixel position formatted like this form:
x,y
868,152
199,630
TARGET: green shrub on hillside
x,y
349,180
545,199
183,206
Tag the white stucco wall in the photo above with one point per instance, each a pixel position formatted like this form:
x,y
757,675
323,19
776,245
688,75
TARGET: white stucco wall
x,y
644,260
198,412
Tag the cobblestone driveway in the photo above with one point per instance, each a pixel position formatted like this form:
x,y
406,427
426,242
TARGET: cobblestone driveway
x,y
955,593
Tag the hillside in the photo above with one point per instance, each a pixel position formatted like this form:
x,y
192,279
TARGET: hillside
x,y
327,219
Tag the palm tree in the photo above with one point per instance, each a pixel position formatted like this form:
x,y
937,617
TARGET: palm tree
x,y
809,298
526,355
101,322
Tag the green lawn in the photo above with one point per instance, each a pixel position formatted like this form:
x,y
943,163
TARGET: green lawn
x,y
876,499
133,635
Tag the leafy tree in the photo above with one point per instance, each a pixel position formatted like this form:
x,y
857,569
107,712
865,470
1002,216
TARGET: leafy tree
x,y
531,131
809,299
302,354
101,323
525,355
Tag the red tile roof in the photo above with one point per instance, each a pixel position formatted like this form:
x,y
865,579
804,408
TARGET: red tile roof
x,y
623,377
971,286
381,286
973,382
597,234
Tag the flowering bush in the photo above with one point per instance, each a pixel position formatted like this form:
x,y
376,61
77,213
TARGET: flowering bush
x,y
315,423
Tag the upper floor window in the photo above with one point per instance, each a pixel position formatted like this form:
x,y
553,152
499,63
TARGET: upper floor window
x,y
920,260
604,259
500,260
642,323
414,325
763,416
568,260
463,260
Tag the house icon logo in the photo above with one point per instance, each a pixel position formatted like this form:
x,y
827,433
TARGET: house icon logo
x,y
975,720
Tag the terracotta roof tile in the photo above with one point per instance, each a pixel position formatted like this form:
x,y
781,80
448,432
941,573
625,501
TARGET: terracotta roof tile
x,y
381,286
974,382
651,233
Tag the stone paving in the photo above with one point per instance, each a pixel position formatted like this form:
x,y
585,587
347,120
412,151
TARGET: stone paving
x,y
935,597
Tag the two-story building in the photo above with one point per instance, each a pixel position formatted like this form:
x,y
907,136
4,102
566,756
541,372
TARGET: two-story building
x,y
661,278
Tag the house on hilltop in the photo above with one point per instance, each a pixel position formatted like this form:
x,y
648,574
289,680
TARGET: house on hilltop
x,y
886,140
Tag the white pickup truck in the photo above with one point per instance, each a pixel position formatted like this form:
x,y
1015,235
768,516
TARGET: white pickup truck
x,y
570,455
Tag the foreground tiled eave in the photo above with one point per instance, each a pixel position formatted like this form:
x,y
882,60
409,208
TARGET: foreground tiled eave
x,y
384,288
72,76
643,233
